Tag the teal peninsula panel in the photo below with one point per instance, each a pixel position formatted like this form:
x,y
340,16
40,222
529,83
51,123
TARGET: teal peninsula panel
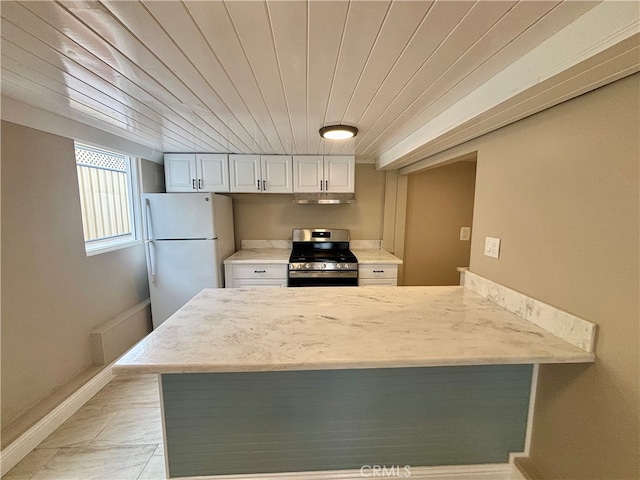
x,y
266,422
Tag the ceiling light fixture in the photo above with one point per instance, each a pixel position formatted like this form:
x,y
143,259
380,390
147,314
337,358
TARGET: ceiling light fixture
x,y
338,132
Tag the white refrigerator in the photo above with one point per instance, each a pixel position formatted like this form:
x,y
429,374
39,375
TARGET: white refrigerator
x,y
187,237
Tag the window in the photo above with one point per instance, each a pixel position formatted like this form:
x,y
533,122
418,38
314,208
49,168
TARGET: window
x,y
106,184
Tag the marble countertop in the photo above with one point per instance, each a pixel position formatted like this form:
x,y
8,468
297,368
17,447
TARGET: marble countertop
x,y
375,256
281,256
260,255
240,330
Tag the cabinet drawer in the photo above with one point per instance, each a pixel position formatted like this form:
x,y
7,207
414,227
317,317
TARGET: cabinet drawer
x,y
377,282
378,271
260,282
255,270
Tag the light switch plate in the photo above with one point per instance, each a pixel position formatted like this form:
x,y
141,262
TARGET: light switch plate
x,y
492,247
465,233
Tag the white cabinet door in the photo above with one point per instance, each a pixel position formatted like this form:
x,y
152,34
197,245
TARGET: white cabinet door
x,y
339,174
277,173
308,173
270,283
255,275
213,172
370,275
180,172
244,172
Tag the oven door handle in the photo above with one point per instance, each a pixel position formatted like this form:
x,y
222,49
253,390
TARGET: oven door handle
x,y
324,274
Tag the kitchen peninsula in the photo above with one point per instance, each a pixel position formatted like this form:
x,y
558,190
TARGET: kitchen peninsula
x,y
296,379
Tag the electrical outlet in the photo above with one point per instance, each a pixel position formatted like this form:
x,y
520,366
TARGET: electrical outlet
x,y
492,247
465,233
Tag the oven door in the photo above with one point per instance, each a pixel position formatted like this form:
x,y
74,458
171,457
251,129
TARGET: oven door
x,y
347,278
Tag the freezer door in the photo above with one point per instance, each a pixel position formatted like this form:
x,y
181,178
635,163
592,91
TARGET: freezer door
x,y
179,215
178,270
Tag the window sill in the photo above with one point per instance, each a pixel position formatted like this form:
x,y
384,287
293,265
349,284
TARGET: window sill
x,y
112,248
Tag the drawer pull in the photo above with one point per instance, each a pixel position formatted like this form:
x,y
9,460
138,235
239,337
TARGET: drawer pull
x,y
378,271
259,271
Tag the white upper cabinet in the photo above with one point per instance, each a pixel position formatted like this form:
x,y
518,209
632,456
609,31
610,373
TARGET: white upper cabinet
x,y
189,172
213,171
277,173
244,171
315,173
308,173
180,172
219,172
261,173
339,174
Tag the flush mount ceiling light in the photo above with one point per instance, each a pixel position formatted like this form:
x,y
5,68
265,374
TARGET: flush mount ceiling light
x,y
338,132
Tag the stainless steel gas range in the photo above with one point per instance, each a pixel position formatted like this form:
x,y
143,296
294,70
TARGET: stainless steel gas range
x,y
321,258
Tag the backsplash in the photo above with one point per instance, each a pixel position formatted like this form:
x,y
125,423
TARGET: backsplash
x,y
568,327
262,244
286,244
365,244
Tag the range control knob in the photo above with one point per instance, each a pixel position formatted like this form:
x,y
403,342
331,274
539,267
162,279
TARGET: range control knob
x,y
324,265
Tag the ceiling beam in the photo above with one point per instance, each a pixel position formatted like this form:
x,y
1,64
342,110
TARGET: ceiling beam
x,y
595,34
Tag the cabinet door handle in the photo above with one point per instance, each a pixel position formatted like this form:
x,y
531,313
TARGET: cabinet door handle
x,y
200,183
326,185
193,183
258,184
264,185
378,271
259,271
320,185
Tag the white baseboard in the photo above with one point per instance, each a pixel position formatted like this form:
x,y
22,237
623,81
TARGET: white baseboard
x,y
29,440
494,471
516,472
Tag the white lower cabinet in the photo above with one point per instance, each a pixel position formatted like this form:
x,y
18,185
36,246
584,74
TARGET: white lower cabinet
x,y
255,275
370,275
275,275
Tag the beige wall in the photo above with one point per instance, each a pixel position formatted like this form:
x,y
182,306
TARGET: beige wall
x,y
272,217
561,189
151,177
52,294
439,202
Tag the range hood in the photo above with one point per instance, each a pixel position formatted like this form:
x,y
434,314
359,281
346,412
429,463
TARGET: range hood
x,y
323,198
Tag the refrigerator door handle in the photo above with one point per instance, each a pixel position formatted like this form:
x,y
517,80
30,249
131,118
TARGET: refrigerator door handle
x,y
149,222
152,261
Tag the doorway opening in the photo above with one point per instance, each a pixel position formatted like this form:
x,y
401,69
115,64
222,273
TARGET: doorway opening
x,y
439,210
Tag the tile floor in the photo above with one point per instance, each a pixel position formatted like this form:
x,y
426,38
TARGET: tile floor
x,y
117,435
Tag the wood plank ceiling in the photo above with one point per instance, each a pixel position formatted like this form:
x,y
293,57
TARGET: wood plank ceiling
x,y
263,77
